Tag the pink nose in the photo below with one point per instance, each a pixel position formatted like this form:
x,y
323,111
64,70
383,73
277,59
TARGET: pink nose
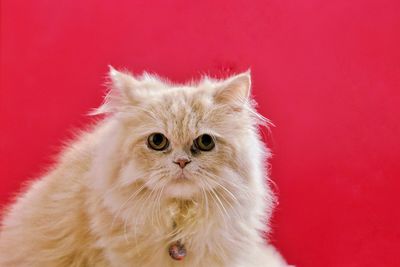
x,y
182,162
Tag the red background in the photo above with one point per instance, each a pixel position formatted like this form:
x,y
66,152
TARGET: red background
x,y
327,73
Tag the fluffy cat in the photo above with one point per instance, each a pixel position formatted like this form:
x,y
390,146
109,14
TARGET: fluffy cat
x,y
168,165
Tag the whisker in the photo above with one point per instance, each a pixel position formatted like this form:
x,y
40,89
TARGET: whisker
x,y
159,203
218,203
205,198
225,189
134,194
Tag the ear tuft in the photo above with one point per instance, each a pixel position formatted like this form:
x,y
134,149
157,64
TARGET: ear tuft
x,y
234,89
112,72
121,94
122,81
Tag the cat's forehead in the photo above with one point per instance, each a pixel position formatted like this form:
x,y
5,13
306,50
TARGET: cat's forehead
x,y
183,113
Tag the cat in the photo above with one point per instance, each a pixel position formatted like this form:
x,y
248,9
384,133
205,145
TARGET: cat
x,y
170,175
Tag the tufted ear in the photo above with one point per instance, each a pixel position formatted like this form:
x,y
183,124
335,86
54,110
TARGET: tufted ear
x,y
123,92
234,90
123,84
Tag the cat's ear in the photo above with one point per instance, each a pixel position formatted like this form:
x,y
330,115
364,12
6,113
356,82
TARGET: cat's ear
x,y
234,90
123,92
123,84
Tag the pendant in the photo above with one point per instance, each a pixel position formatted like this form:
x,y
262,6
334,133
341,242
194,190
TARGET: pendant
x,y
177,251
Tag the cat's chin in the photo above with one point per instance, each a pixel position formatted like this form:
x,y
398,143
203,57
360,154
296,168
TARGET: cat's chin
x,y
184,189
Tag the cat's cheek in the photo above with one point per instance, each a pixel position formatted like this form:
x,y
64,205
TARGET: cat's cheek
x,y
129,175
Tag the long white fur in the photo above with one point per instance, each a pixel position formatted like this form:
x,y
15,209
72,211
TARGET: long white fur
x,y
112,201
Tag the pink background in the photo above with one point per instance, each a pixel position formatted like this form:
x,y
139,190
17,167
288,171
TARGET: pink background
x,y
327,73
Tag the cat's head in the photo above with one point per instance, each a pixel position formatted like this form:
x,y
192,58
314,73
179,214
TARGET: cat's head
x,y
184,140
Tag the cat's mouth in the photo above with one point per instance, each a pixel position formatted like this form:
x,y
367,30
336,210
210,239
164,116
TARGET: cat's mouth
x,y
181,177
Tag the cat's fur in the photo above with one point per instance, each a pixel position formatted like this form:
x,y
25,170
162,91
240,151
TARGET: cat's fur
x,y
112,201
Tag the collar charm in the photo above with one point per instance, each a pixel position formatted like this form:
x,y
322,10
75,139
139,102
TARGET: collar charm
x,y
177,251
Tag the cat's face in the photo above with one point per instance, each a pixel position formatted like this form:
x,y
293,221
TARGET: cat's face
x,y
184,141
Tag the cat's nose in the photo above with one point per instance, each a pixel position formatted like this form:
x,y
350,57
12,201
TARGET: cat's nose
x,y
182,162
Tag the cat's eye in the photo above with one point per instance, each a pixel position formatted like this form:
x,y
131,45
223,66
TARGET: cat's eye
x,y
204,142
157,141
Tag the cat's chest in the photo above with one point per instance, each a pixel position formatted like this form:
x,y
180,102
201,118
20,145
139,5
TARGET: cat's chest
x,y
148,239
176,222
180,226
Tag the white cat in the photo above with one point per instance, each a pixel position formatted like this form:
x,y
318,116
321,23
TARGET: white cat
x,y
173,175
